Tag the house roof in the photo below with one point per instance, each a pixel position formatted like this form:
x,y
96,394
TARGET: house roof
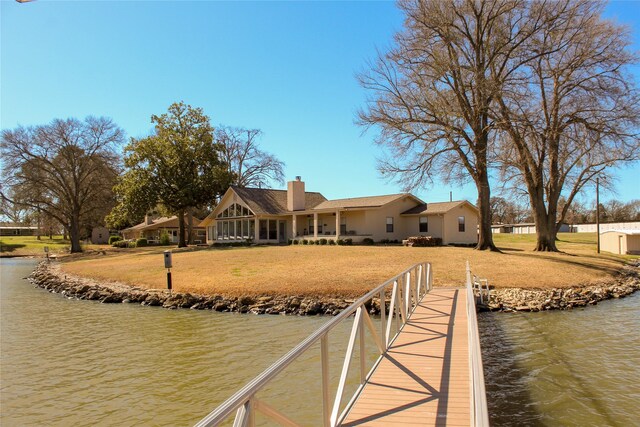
x,y
520,224
168,222
362,202
274,202
627,232
436,208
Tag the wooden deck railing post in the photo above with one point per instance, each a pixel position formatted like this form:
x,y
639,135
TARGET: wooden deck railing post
x,y
345,367
363,373
392,309
383,314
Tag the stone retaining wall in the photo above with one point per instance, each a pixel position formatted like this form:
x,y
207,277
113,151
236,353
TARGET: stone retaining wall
x,y
515,299
50,277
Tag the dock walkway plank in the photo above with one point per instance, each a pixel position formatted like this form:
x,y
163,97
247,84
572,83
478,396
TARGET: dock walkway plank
x,y
423,380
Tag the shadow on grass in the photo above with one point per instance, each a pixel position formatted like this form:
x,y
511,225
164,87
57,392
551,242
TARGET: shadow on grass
x,y
11,247
506,250
578,261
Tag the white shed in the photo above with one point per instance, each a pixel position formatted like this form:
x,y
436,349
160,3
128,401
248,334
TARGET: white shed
x,y
621,242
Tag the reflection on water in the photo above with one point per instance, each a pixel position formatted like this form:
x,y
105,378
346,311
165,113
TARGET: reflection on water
x,y
67,362
579,367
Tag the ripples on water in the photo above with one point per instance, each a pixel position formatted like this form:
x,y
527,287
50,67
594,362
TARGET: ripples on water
x,y
569,368
67,362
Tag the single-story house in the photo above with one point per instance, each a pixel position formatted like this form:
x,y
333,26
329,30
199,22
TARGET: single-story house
x,y
151,229
623,242
275,216
9,229
522,228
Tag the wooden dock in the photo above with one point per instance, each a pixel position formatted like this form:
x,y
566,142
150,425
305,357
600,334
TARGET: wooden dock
x,y
428,372
424,378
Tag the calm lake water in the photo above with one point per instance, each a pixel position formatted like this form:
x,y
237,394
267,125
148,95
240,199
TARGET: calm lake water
x,y
67,362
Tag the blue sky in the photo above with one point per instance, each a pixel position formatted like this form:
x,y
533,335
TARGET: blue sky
x,y
287,68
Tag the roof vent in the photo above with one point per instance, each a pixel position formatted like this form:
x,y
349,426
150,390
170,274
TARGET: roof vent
x,y
298,178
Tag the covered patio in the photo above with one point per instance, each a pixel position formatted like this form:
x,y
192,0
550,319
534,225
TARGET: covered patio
x,y
330,224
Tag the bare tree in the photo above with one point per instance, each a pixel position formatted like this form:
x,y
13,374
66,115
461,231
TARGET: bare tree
x,y
251,166
433,92
569,114
14,211
65,169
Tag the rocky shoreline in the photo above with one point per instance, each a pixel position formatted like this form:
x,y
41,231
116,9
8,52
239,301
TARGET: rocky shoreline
x,y
516,299
49,276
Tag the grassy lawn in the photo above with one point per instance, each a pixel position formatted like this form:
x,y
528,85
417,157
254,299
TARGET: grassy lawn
x,y
31,246
349,270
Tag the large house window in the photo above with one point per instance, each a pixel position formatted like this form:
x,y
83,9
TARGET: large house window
x,y
424,225
252,229
273,230
343,225
311,226
235,210
234,230
461,224
263,229
389,224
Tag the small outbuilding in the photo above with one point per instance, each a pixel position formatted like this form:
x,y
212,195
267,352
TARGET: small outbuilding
x,y
100,236
623,242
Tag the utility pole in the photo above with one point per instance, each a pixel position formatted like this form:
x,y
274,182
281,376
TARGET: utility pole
x,y
598,211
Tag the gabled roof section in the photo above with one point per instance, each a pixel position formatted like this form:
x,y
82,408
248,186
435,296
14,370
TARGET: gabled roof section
x,y
364,202
436,208
162,222
265,201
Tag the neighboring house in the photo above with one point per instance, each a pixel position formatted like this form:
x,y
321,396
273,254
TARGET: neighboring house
x,y
9,229
522,228
623,242
151,229
100,236
275,216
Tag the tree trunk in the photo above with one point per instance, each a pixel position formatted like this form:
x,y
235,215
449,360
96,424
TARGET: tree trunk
x,y
545,226
546,238
190,226
485,237
74,235
181,229
39,225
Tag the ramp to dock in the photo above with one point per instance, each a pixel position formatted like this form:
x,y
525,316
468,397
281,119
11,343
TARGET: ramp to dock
x,y
424,377
428,372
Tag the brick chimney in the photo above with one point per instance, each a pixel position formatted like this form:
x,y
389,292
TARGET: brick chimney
x,y
295,195
148,219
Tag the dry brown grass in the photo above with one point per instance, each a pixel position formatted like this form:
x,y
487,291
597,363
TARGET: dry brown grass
x,y
346,271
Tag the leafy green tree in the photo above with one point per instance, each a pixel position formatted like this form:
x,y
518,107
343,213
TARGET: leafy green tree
x,y
179,166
